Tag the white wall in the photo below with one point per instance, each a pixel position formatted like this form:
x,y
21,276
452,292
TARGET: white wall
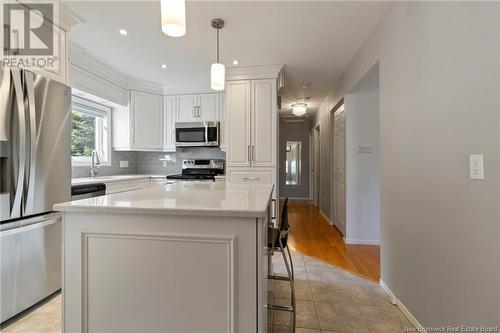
x,y
439,102
362,168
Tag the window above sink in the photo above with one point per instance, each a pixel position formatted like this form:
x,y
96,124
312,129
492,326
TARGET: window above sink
x,y
91,130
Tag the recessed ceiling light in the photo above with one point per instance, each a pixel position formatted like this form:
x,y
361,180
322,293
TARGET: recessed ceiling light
x,y
235,62
122,31
164,66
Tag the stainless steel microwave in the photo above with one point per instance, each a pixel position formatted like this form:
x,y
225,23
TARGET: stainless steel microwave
x,y
197,134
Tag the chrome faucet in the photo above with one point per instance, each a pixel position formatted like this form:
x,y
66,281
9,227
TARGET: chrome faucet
x,y
94,168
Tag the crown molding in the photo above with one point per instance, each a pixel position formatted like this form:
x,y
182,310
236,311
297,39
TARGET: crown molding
x,y
254,72
80,58
68,18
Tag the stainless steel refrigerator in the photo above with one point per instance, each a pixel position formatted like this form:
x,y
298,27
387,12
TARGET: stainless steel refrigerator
x,y
35,173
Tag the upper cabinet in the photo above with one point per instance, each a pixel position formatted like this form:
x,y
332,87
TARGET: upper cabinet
x,y
147,123
169,120
238,123
144,122
251,118
201,107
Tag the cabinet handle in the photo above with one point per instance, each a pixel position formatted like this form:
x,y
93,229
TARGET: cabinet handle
x,y
249,153
275,208
199,111
250,179
253,153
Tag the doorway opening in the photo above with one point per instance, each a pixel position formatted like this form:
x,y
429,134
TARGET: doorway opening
x,y
356,173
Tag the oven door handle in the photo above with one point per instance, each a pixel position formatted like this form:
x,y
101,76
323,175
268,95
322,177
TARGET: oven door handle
x,y
206,133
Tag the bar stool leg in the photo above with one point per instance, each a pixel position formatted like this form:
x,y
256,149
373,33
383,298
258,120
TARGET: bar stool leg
x,y
292,284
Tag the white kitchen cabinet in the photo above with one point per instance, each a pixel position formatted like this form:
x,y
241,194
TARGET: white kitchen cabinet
x,y
147,120
201,107
140,126
251,116
169,126
238,123
186,108
222,117
208,107
264,122
127,185
60,59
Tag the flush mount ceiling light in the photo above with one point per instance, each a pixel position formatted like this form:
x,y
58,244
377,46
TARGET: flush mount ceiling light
x,y
123,32
235,62
299,109
173,17
217,70
163,66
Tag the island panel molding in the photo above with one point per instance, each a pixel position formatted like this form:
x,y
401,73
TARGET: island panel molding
x,y
102,250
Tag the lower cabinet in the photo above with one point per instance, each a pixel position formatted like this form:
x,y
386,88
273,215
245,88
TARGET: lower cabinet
x,y
127,185
254,175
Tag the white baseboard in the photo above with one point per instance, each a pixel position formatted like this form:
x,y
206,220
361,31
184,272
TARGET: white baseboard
x,y
361,241
326,217
402,308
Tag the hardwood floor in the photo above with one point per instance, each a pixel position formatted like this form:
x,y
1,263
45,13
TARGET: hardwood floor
x,y
312,235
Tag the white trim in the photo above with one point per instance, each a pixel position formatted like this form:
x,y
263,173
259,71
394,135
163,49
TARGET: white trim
x,y
254,72
395,301
326,217
104,140
361,241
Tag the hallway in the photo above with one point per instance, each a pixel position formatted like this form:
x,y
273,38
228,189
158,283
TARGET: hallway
x,y
313,236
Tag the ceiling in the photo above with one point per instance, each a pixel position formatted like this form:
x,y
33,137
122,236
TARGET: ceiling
x,y
314,40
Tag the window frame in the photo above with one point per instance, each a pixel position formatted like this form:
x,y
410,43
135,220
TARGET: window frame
x,y
103,135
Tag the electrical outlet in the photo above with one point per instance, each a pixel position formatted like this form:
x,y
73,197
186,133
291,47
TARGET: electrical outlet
x,y
476,166
123,164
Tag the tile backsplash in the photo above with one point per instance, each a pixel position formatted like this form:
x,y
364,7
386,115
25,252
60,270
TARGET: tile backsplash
x,y
114,168
149,162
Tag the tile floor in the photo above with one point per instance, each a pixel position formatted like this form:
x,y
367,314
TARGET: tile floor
x,y
331,300
46,318
328,300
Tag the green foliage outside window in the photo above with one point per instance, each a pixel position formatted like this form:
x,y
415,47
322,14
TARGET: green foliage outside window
x,y
83,134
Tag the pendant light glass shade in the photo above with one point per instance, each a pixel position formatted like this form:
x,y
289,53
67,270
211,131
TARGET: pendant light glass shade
x,y
299,109
217,76
173,17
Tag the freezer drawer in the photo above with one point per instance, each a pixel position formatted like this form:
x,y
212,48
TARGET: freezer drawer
x,y
30,264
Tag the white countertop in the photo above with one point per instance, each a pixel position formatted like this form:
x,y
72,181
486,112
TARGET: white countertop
x,y
111,179
182,198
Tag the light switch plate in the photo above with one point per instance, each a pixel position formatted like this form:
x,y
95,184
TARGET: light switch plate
x,y
476,167
123,164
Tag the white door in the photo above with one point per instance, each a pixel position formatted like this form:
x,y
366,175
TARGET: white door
x,y
208,107
316,165
339,195
238,123
186,108
169,118
222,118
264,118
147,120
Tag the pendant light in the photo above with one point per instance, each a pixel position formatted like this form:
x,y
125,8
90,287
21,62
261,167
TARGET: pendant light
x,y
173,17
217,70
299,109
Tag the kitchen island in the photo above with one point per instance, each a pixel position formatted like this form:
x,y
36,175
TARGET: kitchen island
x,y
183,257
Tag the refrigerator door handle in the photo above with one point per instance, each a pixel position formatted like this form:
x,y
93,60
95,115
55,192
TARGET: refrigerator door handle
x,y
30,199
18,92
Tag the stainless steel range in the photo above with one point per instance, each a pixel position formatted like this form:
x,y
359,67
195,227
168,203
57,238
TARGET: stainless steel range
x,y
199,170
